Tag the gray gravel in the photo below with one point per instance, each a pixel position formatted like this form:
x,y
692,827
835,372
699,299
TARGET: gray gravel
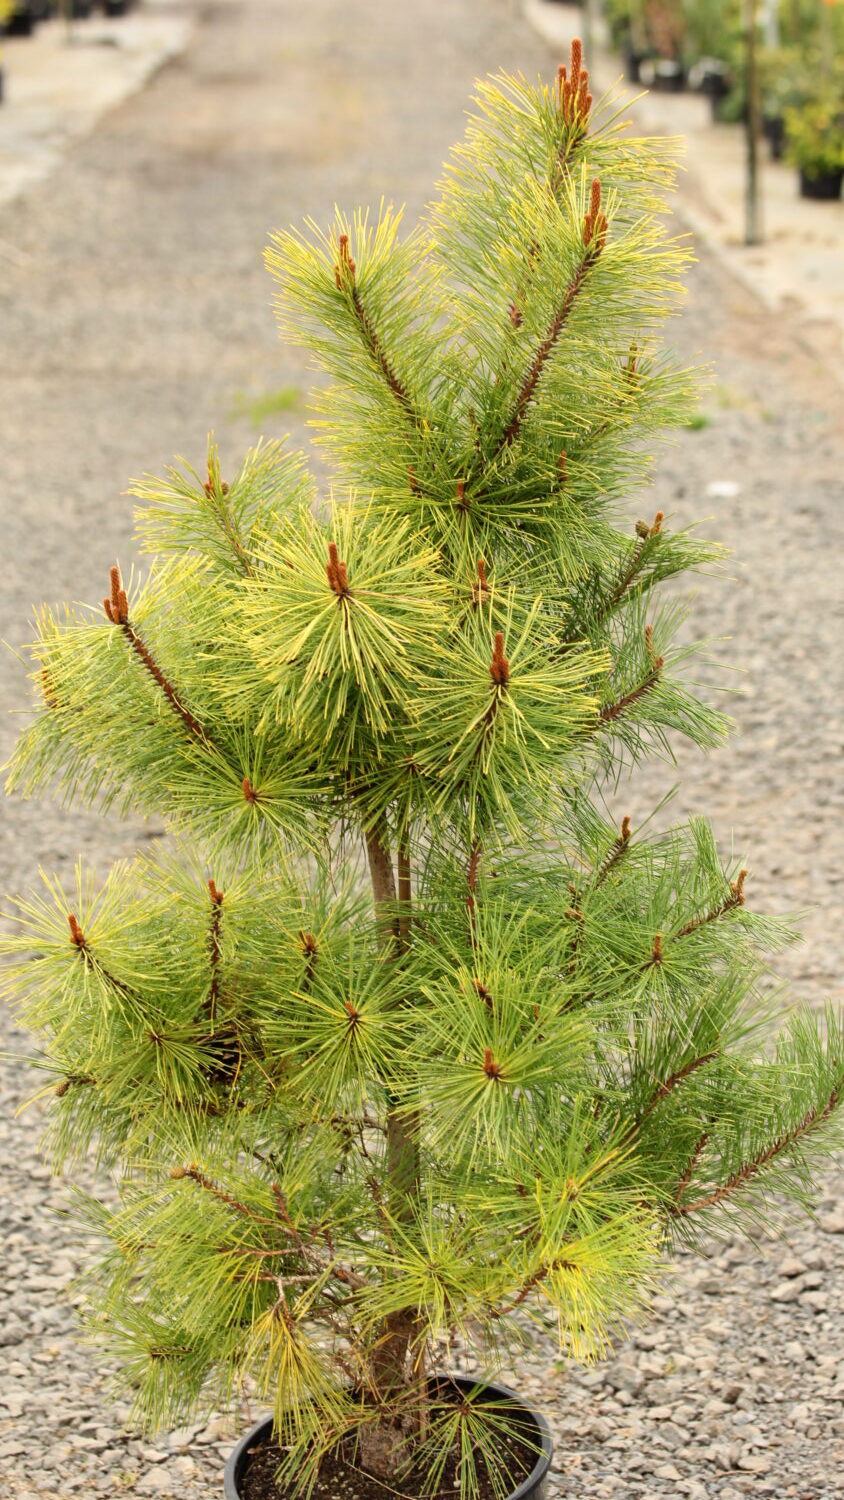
x,y
134,313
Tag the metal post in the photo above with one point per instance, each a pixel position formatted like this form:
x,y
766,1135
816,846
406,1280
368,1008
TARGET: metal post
x,y
826,39
753,214
588,33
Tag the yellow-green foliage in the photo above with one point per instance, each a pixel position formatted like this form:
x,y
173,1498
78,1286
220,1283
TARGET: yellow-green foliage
x,y
343,1134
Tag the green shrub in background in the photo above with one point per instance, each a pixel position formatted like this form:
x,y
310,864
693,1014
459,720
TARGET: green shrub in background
x,y
815,136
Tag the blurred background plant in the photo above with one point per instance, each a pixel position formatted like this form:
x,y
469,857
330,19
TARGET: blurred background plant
x,y
793,84
815,144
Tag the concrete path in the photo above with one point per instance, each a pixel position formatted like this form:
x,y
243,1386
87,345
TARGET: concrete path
x,y
799,269
59,82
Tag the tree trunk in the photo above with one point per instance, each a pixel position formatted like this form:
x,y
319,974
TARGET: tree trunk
x,y
396,1368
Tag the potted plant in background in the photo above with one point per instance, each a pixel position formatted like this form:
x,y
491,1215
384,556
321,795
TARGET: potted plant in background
x,y
787,82
626,22
409,1035
814,134
667,27
713,78
712,31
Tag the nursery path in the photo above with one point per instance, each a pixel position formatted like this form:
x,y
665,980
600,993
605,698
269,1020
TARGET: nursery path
x,y
134,313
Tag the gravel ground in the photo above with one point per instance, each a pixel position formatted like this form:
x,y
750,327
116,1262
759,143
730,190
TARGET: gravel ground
x,y
135,313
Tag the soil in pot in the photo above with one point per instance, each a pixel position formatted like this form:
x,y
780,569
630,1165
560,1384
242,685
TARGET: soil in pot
x,y
340,1479
522,1451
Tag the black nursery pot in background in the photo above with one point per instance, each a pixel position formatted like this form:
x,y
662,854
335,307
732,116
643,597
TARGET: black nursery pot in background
x,y
773,129
826,186
663,74
633,60
537,1433
711,77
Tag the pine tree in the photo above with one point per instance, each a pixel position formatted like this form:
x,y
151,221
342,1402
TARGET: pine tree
x,y
344,1134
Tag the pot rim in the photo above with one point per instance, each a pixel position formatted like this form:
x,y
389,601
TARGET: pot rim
x,y
234,1463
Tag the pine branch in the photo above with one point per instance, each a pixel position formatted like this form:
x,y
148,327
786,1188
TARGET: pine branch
x,y
617,852
345,275
688,1174
530,1284
752,1168
526,393
614,710
222,511
80,942
735,898
472,882
645,533
575,103
330,1267
214,934
670,1084
117,611
196,1175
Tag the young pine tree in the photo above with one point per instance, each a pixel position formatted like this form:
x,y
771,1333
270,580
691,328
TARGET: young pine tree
x,y
405,1037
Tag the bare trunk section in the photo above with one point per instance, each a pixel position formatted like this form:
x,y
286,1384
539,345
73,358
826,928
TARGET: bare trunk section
x,y
405,893
397,1369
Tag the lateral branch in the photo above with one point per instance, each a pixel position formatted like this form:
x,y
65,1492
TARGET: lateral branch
x,y
644,534
80,942
735,898
614,710
197,1176
670,1084
218,493
691,1167
531,1283
214,936
752,1168
117,611
546,348
345,276
617,851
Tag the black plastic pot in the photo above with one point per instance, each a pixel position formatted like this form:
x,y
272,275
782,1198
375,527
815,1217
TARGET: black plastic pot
x,y
531,1488
633,60
663,75
773,129
21,22
826,186
711,77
